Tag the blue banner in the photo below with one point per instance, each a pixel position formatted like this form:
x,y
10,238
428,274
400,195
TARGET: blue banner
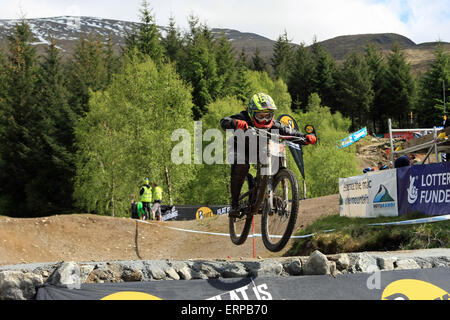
x,y
351,139
424,188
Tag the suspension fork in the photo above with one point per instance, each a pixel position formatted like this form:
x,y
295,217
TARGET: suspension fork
x,y
283,163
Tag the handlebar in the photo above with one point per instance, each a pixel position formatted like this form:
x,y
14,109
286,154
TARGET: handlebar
x,y
290,138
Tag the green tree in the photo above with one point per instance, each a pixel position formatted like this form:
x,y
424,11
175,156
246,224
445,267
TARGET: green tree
x,y
21,124
117,146
86,71
300,80
112,61
243,88
258,63
57,162
199,66
283,57
377,71
324,163
356,93
325,74
226,66
173,42
149,38
399,88
430,107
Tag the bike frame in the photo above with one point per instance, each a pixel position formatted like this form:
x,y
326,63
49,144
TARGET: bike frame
x,y
265,182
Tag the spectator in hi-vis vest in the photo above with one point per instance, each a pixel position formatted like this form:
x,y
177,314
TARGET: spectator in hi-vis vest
x,y
146,198
157,199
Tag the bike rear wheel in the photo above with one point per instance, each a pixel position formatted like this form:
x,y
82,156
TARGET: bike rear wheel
x,y
278,224
240,227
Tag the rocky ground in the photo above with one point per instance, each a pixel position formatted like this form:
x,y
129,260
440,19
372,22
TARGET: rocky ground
x,y
21,282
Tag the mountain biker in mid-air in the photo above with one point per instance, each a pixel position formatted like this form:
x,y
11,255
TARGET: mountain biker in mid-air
x,y
258,114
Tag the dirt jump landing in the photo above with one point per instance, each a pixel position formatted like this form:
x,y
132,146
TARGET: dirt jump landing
x,y
85,237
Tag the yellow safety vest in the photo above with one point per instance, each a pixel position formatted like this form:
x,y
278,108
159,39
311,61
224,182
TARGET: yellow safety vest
x,y
147,195
157,193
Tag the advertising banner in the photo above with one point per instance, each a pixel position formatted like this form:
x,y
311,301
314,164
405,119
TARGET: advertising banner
x,y
351,139
424,188
169,213
382,194
354,196
370,195
428,284
199,212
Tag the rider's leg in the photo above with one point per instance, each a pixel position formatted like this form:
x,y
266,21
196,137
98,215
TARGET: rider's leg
x,y
238,174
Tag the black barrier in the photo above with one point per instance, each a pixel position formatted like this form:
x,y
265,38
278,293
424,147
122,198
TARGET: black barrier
x,y
422,284
199,212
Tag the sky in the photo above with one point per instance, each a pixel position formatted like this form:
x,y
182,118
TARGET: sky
x,y
303,20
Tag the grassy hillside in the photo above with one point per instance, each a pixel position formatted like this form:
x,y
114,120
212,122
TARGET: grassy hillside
x,y
353,235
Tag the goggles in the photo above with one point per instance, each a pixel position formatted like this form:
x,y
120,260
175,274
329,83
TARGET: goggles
x,y
264,116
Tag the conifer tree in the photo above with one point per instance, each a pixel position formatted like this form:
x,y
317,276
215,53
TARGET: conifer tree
x,y
399,88
86,71
173,42
226,66
283,56
112,61
258,63
20,123
300,80
377,70
356,92
243,87
199,66
324,79
58,161
434,84
149,38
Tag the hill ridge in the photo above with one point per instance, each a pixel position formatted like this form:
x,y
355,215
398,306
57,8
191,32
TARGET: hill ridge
x,y
68,29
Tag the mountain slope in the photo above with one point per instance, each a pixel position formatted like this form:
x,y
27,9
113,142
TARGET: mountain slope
x,y
67,30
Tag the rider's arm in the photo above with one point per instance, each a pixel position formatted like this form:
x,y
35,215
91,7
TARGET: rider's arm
x,y
230,122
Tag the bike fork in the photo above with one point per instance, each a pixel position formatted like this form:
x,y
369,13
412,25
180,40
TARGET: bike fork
x,y
270,194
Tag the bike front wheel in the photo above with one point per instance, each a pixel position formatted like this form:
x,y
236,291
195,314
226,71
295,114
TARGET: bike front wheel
x,y
278,222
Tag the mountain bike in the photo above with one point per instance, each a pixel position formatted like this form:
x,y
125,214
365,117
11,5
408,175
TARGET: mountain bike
x,y
275,195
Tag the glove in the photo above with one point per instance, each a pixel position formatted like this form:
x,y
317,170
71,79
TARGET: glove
x,y
311,139
241,124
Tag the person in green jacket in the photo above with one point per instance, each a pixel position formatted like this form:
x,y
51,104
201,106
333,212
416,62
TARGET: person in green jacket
x,y
146,193
157,199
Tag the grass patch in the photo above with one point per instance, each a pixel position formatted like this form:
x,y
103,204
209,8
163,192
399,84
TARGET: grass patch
x,y
353,235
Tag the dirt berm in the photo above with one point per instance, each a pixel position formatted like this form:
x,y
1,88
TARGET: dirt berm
x,y
87,237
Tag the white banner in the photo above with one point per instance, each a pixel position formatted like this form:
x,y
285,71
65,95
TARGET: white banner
x,y
370,195
354,196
